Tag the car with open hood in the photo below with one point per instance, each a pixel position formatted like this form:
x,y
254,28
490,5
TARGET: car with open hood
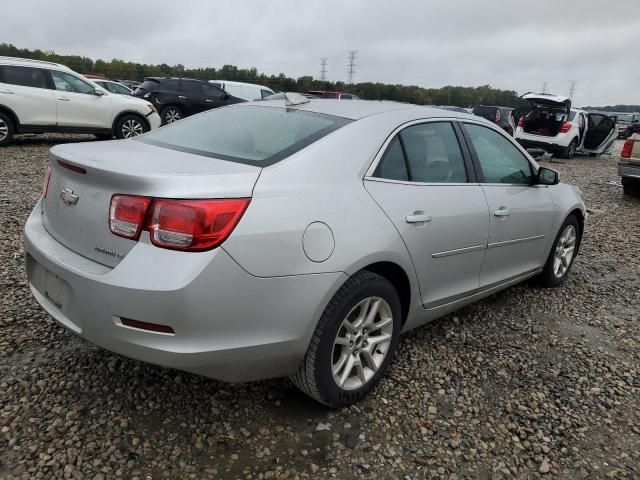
x,y
550,123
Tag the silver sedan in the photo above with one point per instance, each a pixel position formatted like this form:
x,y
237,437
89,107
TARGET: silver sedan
x,y
292,237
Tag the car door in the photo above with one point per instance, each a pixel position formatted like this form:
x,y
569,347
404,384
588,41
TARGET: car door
x,y
425,185
192,94
216,97
77,103
520,213
601,133
26,91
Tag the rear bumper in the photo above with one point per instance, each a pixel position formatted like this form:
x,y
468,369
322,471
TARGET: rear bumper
x,y
548,146
629,171
228,324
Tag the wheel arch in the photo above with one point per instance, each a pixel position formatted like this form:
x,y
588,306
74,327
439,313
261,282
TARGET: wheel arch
x,y
397,276
12,115
579,214
129,112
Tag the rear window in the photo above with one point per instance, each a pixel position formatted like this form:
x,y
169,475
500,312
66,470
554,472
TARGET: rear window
x,y
485,112
148,85
254,135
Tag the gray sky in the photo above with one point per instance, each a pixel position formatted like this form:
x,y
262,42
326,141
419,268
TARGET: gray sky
x,y
507,44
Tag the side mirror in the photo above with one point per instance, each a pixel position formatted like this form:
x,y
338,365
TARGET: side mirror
x,y
546,176
99,93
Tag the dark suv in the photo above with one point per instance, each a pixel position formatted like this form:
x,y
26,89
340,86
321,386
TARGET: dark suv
x,y
176,98
501,116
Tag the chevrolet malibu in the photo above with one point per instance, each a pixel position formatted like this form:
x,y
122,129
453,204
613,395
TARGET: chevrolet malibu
x,y
292,237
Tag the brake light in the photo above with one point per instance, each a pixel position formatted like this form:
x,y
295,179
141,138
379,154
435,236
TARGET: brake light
x,y
194,225
565,127
127,214
47,179
498,116
627,148
520,122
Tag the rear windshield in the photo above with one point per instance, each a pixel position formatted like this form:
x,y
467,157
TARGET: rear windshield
x,y
148,84
485,112
246,134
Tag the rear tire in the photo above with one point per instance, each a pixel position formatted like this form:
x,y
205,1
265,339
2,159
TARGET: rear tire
x,y
170,114
353,342
130,126
560,262
570,151
630,186
7,129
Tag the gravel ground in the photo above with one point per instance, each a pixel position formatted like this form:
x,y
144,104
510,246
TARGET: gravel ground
x,y
529,383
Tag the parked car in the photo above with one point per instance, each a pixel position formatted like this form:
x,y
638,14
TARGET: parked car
x,y
630,129
629,165
176,98
335,95
453,108
131,84
552,125
114,87
501,116
40,97
245,91
292,237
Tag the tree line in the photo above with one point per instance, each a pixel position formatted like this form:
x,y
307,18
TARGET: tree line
x,y
120,69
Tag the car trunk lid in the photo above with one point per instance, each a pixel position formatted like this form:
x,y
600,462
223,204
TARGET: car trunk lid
x,y
85,176
548,101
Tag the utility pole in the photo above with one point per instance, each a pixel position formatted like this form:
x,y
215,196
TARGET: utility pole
x,y
572,88
545,87
323,68
352,65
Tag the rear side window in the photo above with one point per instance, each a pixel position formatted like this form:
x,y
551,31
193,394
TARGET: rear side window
x,y
500,160
431,154
23,76
246,134
192,88
148,85
172,85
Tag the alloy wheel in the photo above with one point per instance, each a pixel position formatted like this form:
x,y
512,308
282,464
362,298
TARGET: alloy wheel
x,y
564,252
362,343
4,130
172,115
132,128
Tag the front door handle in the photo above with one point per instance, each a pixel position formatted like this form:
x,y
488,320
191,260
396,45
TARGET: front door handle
x,y
209,101
182,96
64,99
6,91
418,218
502,212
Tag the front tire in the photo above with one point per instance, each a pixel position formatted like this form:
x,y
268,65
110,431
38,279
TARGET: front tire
x,y
562,254
570,151
130,126
171,114
7,129
353,342
630,187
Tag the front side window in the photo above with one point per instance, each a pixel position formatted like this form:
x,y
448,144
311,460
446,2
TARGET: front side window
x,y
426,153
70,83
246,134
191,88
23,76
117,88
500,160
265,93
212,91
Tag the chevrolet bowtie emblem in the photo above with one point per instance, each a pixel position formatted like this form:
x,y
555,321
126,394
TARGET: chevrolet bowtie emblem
x,y
68,196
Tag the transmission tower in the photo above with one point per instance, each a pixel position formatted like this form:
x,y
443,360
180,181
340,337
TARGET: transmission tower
x,y
323,68
545,87
572,88
351,66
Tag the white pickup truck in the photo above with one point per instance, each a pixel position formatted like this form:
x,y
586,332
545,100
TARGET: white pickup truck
x,y
629,165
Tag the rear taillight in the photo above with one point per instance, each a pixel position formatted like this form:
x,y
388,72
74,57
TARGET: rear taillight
x,y
47,179
498,116
565,127
189,225
520,122
194,225
127,214
627,148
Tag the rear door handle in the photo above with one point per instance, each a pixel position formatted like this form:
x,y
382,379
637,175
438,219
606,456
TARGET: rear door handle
x,y
64,99
502,212
209,101
418,218
6,91
181,96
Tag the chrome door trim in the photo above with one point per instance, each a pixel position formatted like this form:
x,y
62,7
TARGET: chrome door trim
x,y
515,240
458,251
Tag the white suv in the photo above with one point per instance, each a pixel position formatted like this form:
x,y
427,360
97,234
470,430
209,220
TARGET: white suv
x,y
552,125
39,97
246,91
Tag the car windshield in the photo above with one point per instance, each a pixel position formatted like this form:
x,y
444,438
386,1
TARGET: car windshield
x,y
246,134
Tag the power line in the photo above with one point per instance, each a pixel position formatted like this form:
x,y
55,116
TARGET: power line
x,y
323,68
572,88
352,65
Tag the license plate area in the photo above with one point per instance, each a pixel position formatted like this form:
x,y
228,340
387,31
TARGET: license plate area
x,y
48,284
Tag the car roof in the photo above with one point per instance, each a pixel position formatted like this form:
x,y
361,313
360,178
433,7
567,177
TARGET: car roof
x,y
28,62
240,84
357,109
